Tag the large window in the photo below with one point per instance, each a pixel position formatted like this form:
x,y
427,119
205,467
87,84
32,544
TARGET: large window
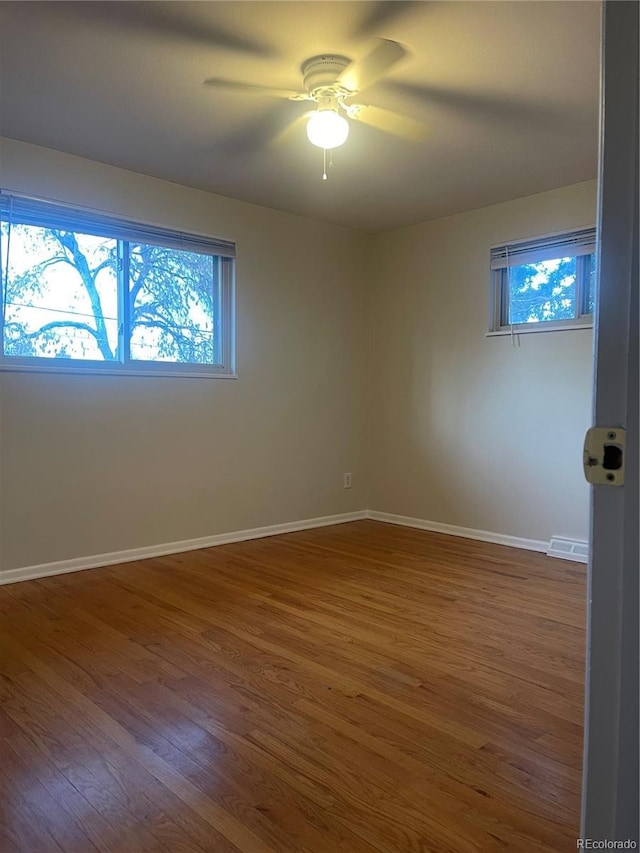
x,y
85,291
544,283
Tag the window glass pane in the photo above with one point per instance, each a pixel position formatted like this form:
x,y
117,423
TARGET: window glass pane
x,y
174,305
59,294
543,291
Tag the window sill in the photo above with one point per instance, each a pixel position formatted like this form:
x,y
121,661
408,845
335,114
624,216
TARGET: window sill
x,y
539,328
114,371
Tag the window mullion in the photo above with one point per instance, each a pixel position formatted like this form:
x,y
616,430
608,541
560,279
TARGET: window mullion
x,y
505,298
226,312
124,303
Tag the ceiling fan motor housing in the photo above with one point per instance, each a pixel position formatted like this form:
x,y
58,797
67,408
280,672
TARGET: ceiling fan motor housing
x,y
321,72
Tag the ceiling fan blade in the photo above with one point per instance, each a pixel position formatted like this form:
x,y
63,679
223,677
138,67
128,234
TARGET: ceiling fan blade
x,y
487,107
254,89
292,128
360,74
176,21
388,120
381,14
256,136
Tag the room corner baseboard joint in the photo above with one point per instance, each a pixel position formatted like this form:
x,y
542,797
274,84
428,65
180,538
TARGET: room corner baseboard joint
x,y
566,549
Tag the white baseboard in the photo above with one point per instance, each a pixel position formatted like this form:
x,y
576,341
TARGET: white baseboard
x,y
79,563
464,532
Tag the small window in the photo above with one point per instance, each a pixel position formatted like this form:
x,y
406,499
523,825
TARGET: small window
x,y
545,283
83,291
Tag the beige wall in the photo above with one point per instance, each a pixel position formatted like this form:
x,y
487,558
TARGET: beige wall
x,y
355,353
93,464
466,429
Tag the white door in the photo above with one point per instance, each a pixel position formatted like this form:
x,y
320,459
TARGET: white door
x,y
610,782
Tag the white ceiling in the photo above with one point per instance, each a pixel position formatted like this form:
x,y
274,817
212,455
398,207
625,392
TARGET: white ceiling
x,y
508,91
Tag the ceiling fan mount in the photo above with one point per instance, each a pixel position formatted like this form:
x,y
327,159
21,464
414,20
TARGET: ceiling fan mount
x,y
320,74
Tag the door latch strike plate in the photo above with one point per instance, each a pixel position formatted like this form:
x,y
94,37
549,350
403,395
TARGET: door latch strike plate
x,y
604,456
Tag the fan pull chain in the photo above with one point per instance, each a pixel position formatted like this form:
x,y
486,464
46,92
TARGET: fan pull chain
x,y
325,177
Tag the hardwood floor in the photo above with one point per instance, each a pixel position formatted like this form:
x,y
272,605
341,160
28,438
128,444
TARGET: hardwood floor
x,y
357,688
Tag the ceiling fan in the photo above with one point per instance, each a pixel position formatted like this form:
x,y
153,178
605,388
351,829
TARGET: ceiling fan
x,y
332,82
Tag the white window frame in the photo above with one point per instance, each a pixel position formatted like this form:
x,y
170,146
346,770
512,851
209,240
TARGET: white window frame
x,y
85,220
579,243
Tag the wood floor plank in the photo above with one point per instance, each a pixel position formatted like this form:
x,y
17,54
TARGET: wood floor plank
x,y
363,688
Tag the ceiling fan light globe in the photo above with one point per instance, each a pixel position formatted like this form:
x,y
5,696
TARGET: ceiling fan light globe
x,y
327,129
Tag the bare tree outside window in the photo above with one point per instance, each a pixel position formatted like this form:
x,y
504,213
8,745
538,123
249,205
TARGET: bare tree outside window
x,y
61,298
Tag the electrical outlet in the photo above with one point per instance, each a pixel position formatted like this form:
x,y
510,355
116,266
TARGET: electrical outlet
x,y
347,481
